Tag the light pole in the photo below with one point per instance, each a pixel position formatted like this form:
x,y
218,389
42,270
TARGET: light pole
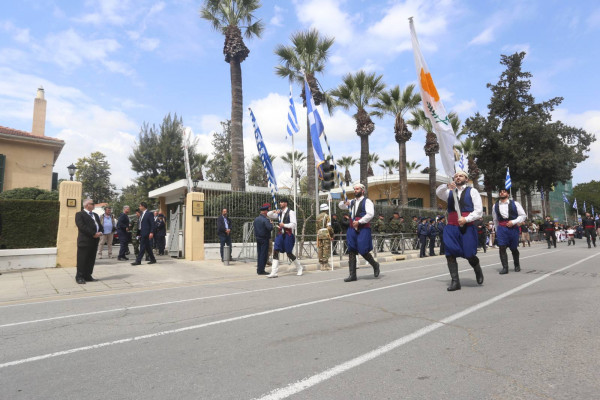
x,y
71,168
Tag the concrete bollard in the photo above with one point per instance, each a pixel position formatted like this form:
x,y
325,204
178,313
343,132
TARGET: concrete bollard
x,y
226,254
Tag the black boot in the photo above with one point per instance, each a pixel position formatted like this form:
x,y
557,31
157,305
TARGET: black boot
x,y
453,268
504,261
474,262
351,267
374,264
515,255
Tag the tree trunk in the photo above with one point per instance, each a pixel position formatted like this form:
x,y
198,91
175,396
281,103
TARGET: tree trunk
x,y
364,160
432,170
490,201
238,174
524,201
403,174
310,162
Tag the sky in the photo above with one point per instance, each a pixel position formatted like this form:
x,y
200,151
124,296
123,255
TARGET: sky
x,y
109,66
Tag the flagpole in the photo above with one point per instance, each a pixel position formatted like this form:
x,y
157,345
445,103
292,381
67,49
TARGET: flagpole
x,y
294,173
565,208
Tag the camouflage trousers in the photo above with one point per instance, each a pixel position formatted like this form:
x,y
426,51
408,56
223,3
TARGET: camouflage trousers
x,y
136,246
324,252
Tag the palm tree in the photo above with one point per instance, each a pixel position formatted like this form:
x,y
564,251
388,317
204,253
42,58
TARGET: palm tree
x,y
357,90
346,163
227,17
373,158
307,54
201,161
389,165
469,148
289,159
397,103
431,148
412,166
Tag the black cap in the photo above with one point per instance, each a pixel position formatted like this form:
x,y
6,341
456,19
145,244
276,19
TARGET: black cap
x,y
283,200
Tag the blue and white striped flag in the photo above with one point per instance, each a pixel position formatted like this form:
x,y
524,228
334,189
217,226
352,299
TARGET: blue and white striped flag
x,y
593,213
565,198
292,125
507,182
575,204
461,161
316,126
262,152
584,208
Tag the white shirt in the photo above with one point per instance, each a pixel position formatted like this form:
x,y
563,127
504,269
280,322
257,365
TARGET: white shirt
x,y
369,209
443,192
503,209
291,225
91,214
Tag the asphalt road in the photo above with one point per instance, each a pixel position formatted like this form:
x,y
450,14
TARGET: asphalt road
x,y
527,335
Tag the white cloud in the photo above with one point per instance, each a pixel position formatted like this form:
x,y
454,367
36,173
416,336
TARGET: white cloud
x,y
517,48
465,107
18,34
485,37
108,12
590,122
277,19
148,44
593,19
328,17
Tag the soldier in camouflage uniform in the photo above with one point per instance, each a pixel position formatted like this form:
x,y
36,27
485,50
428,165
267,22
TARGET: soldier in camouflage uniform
x,y
134,231
395,228
324,237
380,228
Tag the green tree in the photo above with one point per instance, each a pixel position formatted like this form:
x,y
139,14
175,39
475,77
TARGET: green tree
x,y
256,172
131,196
356,91
346,163
412,166
307,54
588,192
397,103
390,165
158,154
219,167
300,161
227,17
201,163
373,159
94,174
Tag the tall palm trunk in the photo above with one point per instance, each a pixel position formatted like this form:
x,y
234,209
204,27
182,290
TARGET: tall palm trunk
x,y
310,161
403,174
238,176
432,170
364,160
490,200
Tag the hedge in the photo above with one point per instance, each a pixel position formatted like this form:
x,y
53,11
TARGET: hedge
x,y
29,223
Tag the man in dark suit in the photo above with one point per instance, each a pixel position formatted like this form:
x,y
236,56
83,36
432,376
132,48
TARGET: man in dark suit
x,y
146,225
262,233
89,228
123,231
160,234
224,231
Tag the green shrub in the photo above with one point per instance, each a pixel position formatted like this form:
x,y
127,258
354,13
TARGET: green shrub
x,y
29,193
29,223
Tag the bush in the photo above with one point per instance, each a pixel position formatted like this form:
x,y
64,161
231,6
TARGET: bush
x,y
29,223
29,193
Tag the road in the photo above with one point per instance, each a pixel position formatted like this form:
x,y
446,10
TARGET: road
x,y
527,335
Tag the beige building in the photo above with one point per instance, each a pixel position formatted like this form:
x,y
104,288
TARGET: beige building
x,y
27,158
385,189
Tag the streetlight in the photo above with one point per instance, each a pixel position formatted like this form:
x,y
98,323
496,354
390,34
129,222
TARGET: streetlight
x,y
195,182
71,168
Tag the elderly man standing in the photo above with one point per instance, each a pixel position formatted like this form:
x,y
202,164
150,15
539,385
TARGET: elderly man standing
x,y
358,237
460,235
123,231
508,214
109,227
90,231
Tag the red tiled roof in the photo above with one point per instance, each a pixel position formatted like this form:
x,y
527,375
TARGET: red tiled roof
x,y
15,132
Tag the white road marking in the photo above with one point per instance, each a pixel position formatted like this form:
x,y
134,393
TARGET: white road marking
x,y
219,322
306,383
113,310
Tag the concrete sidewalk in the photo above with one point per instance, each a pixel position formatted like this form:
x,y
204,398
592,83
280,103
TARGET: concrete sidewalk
x,y
113,275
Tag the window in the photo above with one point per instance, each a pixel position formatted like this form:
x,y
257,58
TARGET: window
x,y
415,202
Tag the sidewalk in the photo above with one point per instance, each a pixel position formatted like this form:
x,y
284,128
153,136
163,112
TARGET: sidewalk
x,y
114,276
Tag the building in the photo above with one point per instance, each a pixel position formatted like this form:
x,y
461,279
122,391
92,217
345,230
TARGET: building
x,y
27,158
385,189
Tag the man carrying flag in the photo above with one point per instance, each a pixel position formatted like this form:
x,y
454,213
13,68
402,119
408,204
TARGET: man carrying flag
x,y
285,239
508,214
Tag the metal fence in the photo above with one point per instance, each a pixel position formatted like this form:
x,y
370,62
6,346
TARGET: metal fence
x,y
243,207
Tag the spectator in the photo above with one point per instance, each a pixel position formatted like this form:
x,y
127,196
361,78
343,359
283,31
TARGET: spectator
x,y
224,232
147,228
123,231
90,231
262,233
161,234
108,226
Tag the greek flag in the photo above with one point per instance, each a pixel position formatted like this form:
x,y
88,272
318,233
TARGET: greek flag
x,y
507,182
262,152
575,204
316,126
565,198
461,161
292,125
584,208
593,213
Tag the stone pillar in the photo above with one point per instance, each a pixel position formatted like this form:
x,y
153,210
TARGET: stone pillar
x,y
194,227
66,241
